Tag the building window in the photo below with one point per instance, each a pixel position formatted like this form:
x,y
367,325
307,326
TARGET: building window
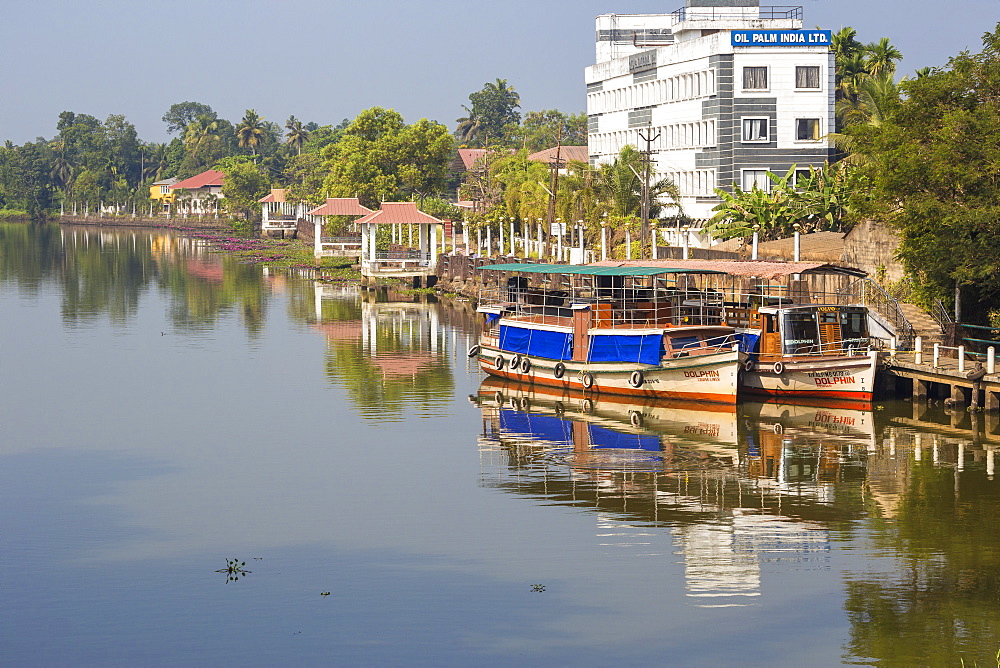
x,y
756,129
593,124
595,87
756,177
164,190
802,176
640,118
755,78
807,129
807,77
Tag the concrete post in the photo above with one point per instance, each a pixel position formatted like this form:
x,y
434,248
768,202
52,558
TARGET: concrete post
x,y
579,237
628,244
654,230
604,241
318,237
991,360
500,249
892,346
797,242
687,240
539,246
513,251
918,351
961,359
559,239
489,241
479,241
454,239
756,237
937,354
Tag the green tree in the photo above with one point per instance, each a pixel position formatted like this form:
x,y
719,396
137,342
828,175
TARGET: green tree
x,y
380,158
203,146
937,172
245,184
881,57
180,115
494,108
543,129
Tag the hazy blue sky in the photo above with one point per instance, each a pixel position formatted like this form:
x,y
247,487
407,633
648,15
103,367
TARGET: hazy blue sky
x,y
325,60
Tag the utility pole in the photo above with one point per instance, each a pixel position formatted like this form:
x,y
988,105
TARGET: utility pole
x,y
555,166
648,158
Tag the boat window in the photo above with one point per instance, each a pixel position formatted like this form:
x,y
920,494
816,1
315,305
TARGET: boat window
x,y
800,333
680,342
854,326
827,318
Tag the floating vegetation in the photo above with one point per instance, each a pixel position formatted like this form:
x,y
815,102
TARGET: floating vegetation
x,y
538,587
234,569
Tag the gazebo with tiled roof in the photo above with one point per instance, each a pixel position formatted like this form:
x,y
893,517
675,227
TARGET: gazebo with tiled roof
x,y
400,260
347,244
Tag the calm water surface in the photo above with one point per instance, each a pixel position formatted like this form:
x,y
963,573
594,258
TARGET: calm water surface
x,y
165,409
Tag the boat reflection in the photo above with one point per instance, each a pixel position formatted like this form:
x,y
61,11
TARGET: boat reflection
x,y
736,489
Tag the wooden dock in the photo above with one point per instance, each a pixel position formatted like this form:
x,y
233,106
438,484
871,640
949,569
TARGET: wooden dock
x,y
936,378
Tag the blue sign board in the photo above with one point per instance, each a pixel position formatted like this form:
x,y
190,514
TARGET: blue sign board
x,y
781,37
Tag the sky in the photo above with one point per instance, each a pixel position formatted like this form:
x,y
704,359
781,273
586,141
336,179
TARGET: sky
x,y
326,60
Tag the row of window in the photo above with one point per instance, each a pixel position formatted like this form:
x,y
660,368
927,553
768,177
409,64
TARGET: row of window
x,y
758,77
697,134
702,182
659,91
758,130
694,183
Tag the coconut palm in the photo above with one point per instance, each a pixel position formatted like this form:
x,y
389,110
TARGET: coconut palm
x,y
156,162
297,134
250,131
620,185
469,127
881,57
200,131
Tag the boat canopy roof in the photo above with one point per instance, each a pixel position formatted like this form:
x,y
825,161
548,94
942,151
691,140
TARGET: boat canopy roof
x,y
591,270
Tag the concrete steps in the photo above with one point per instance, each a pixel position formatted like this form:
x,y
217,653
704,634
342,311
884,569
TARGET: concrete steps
x,y
923,324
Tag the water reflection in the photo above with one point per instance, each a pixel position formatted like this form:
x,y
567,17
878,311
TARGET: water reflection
x,y
779,487
104,274
392,352
736,489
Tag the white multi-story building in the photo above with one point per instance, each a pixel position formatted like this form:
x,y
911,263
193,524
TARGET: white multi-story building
x,y
725,90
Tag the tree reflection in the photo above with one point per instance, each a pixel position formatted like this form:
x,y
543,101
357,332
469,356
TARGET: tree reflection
x,y
940,607
103,273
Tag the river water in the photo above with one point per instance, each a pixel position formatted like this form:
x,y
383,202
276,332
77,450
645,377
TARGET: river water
x,y
166,409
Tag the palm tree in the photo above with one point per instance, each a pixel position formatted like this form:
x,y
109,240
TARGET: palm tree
x,y
156,162
250,131
297,134
620,185
845,44
199,132
881,57
469,127
61,173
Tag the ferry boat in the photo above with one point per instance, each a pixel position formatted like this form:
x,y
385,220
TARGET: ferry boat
x,y
802,339
633,331
810,350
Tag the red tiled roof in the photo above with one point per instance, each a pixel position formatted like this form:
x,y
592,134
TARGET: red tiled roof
x,y
574,153
276,195
469,156
399,212
341,206
212,177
